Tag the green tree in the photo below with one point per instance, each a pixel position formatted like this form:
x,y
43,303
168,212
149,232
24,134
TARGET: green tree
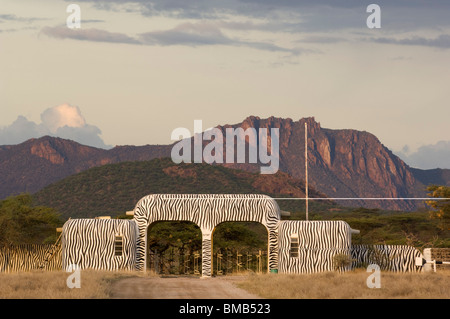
x,y
180,234
440,209
22,223
240,235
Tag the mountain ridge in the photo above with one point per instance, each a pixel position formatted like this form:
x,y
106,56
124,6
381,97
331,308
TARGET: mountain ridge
x,y
342,163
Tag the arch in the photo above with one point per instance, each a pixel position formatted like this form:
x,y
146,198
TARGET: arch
x,y
207,211
267,232
183,236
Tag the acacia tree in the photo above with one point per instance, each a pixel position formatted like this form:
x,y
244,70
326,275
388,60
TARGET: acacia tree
x,y
440,209
179,234
23,223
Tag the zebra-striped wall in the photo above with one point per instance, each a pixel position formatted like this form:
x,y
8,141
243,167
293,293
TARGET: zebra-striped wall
x,y
90,243
318,243
398,258
207,211
27,257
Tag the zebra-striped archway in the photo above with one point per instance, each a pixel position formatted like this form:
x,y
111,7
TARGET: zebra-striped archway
x,y
207,211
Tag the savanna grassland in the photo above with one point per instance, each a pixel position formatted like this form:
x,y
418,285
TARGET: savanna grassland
x,y
53,285
328,285
349,285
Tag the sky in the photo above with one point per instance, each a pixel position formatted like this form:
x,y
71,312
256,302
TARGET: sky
x,y
137,70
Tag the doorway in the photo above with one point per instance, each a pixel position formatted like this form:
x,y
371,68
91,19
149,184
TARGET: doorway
x,y
174,248
240,247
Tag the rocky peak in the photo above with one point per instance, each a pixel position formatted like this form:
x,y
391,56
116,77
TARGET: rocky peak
x,y
44,149
342,163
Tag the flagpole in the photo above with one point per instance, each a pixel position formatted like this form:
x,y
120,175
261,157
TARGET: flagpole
x,y
306,168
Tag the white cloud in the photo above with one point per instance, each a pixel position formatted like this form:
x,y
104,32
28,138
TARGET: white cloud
x,y
86,135
427,156
65,121
20,130
62,115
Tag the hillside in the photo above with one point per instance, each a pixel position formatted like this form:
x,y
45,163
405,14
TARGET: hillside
x,y
36,163
437,176
342,163
116,188
113,189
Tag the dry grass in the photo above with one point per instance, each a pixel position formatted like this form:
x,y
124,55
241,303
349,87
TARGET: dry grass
x,y
350,285
52,285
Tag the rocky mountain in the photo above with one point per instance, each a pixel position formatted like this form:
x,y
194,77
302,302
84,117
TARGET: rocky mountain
x,y
346,164
36,163
341,163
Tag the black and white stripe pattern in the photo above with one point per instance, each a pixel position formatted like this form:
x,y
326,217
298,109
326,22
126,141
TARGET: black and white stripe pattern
x,y
318,243
90,243
27,257
398,258
207,211
206,257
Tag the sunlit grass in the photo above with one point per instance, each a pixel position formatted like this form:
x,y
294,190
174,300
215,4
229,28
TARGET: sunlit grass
x,y
52,285
328,285
349,285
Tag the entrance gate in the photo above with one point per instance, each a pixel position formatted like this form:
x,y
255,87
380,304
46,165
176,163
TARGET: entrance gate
x,y
207,211
173,261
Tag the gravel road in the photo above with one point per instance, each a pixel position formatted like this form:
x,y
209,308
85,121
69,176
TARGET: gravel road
x,y
179,288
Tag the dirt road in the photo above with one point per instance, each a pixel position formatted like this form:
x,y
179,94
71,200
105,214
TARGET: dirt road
x,y
179,288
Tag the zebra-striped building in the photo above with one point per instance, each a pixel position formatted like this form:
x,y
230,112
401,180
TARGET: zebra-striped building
x,y
99,244
311,246
293,246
